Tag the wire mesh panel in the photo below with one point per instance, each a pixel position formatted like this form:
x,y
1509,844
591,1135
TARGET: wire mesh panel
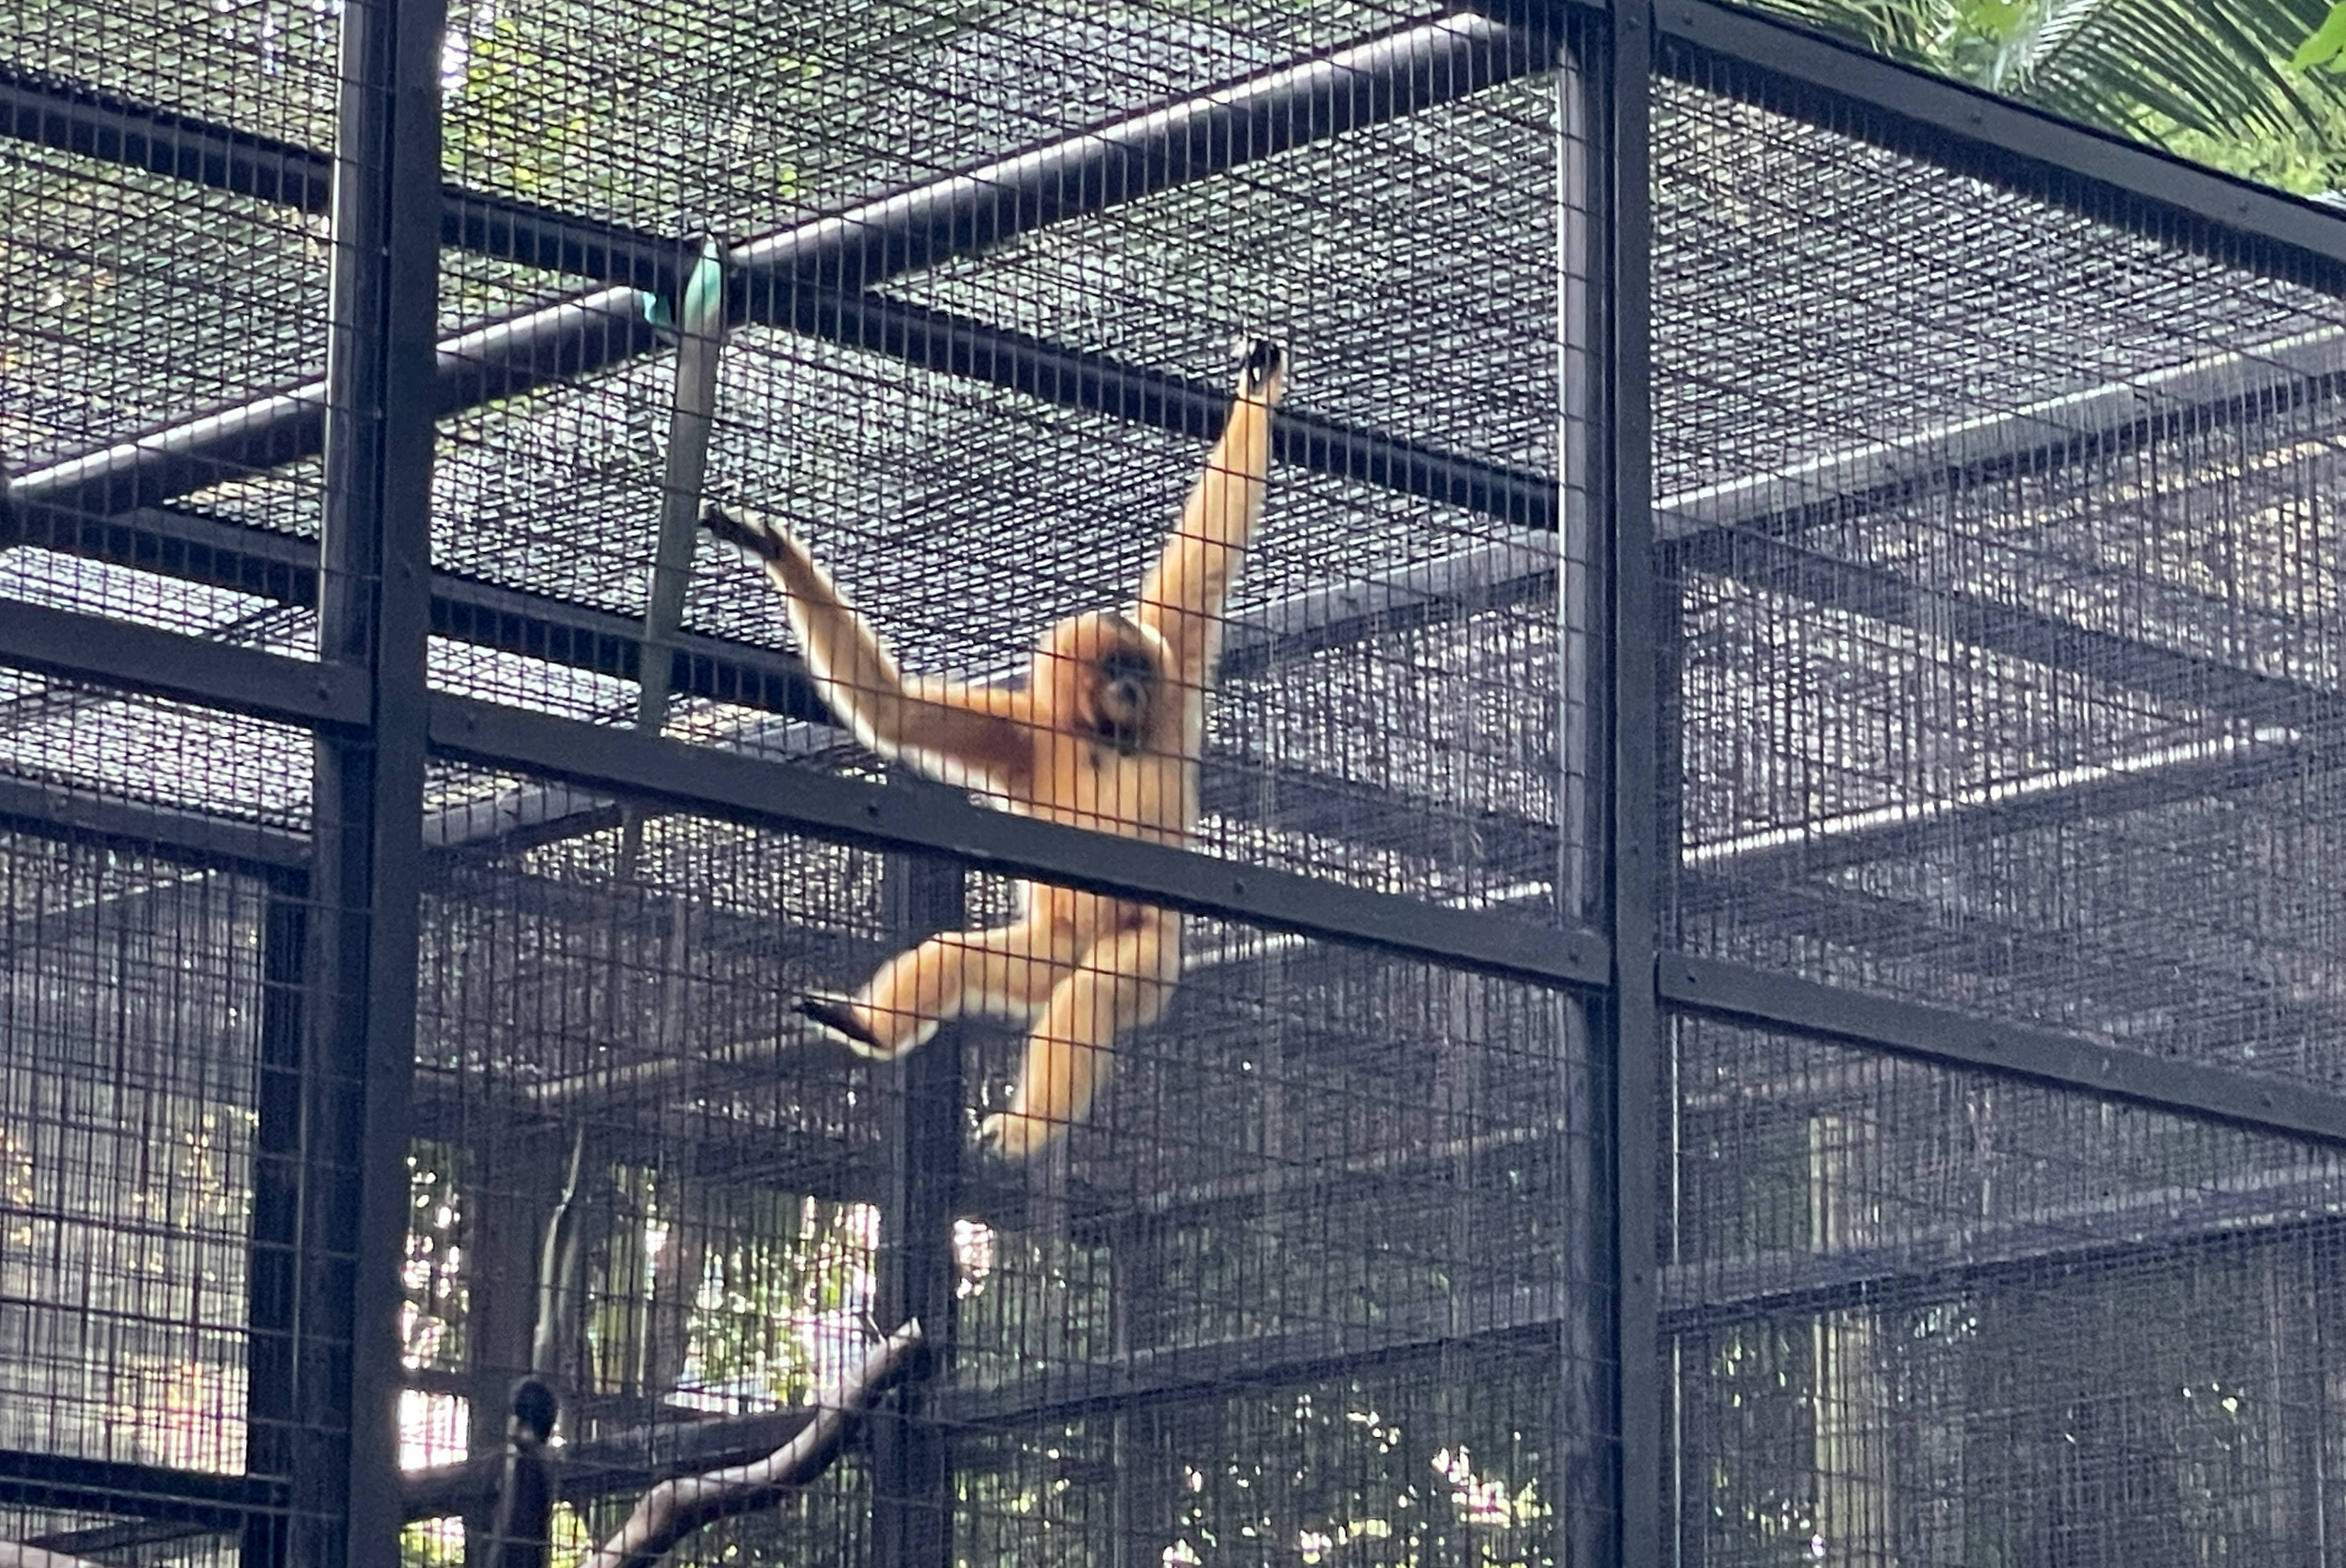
x,y
134,987
1925,1317
1262,1294
167,246
149,1008
1297,1291
2005,588
978,386
583,107
606,1052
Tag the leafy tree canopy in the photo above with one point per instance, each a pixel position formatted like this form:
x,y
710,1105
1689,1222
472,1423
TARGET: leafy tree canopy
x,y
2256,88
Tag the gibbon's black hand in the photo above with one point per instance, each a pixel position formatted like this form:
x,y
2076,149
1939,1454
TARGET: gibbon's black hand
x,y
752,538
1104,734
837,1018
1260,361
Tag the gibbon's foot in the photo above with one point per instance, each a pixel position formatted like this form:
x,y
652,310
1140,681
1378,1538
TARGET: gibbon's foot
x,y
750,538
837,1018
1262,364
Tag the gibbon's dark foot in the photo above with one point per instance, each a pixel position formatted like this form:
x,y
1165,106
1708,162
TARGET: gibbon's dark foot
x,y
755,538
837,1018
1261,361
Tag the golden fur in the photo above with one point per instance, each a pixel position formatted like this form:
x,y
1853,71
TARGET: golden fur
x,y
1104,734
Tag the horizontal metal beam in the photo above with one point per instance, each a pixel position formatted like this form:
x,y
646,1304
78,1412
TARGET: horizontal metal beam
x,y
2092,173
283,567
2263,380
2053,642
2150,984
58,1482
71,117
1529,1312
2105,790
1938,1262
1934,1263
170,833
1121,160
802,800
1069,378
1103,167
75,118
1746,994
168,664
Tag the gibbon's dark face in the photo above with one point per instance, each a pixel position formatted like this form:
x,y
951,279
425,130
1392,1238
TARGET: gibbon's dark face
x,y
1124,685
1124,689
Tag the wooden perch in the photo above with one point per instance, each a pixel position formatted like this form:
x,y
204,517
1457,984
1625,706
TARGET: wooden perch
x,y
676,1507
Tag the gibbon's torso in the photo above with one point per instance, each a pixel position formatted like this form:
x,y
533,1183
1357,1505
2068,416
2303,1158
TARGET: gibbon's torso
x,y
1086,772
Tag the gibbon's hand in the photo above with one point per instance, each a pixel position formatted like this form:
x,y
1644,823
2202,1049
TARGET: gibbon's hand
x,y
755,540
835,1017
1262,368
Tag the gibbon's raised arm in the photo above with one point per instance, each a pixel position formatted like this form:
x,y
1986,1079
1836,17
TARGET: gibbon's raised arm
x,y
1181,598
963,734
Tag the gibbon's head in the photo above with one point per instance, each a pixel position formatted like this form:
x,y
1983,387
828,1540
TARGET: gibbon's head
x,y
1102,676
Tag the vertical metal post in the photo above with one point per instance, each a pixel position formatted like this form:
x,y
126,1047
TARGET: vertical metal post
x,y
374,560
1635,842
272,1276
1587,1459
911,1479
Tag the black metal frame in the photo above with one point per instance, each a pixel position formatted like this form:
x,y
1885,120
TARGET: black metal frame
x,y
1637,838
337,1048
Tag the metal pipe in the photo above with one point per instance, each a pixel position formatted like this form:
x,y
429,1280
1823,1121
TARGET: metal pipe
x,y
1090,171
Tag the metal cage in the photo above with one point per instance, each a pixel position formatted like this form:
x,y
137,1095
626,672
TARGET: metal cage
x,y
1760,980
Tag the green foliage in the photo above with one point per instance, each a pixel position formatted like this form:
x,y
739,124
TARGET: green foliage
x,y
2327,46
2252,86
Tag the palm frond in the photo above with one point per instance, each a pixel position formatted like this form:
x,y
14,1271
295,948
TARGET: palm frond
x,y
1913,31
2213,78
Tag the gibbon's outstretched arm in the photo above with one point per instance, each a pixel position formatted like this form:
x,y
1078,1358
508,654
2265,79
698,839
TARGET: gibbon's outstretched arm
x,y
1181,598
963,734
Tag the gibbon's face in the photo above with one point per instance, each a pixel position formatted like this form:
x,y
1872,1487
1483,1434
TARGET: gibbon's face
x,y
1106,675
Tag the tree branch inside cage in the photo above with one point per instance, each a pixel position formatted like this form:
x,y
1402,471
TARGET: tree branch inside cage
x,y
676,1507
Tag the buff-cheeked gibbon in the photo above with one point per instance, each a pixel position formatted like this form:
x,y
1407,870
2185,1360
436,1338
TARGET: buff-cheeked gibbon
x,y
1105,733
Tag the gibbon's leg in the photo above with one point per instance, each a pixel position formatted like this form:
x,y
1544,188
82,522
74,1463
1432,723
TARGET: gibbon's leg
x,y
1182,596
1006,973
1123,982
966,735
